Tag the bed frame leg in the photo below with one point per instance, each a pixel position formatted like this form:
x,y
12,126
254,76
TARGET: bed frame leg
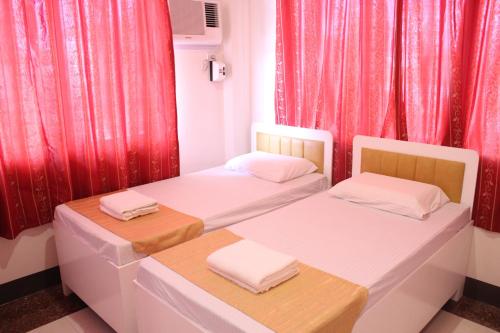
x,y
66,290
460,291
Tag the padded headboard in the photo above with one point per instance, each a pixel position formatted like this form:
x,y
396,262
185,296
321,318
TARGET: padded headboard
x,y
448,175
454,170
314,145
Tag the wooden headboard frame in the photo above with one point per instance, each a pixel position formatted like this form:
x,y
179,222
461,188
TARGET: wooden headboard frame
x,y
468,157
295,141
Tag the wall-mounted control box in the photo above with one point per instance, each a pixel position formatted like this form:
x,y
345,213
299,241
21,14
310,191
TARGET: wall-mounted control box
x,y
217,71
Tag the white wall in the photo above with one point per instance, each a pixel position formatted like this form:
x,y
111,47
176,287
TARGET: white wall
x,y
263,59
214,117
237,111
32,251
200,111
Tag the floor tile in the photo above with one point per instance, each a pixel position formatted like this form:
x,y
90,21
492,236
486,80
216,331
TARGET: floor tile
x,y
83,321
478,312
86,321
37,309
445,322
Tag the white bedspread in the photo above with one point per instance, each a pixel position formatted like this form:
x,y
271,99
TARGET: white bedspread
x,y
219,197
369,247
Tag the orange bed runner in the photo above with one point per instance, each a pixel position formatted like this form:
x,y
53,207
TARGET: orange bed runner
x,y
149,233
312,301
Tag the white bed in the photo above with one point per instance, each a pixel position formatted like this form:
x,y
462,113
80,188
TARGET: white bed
x,y
410,267
194,194
100,266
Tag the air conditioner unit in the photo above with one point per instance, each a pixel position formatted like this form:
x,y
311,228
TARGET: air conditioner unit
x,y
196,23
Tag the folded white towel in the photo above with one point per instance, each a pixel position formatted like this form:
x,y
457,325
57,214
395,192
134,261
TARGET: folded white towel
x,y
252,265
127,204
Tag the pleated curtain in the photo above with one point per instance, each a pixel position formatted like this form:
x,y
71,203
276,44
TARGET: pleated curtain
x,y
417,70
87,103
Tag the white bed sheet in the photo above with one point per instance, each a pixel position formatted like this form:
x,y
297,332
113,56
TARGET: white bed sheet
x,y
369,247
218,196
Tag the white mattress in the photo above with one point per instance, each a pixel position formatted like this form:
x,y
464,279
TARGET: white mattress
x,y
218,196
369,247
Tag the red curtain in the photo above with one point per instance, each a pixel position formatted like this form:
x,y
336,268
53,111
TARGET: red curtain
x,y
423,71
87,103
481,106
334,70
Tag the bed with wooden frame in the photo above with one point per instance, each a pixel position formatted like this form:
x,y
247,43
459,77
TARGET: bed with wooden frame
x,y
406,305
100,266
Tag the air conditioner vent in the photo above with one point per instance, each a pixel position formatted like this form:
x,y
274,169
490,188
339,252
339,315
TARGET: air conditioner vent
x,y
196,22
211,15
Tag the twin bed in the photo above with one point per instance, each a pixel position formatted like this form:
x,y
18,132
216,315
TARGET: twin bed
x,y
410,267
100,267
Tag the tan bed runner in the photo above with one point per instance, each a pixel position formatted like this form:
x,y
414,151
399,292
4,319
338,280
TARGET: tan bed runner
x,y
312,301
149,233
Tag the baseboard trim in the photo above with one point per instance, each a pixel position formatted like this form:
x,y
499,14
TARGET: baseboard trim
x,y
29,284
482,292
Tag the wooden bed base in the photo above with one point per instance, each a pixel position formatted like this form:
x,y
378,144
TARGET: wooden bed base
x,y
408,307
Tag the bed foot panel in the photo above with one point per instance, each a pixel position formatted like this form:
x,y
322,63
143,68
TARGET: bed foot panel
x,y
155,315
106,288
65,289
414,302
460,291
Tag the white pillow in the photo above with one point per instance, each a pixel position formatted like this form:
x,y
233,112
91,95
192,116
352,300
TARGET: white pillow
x,y
396,195
272,167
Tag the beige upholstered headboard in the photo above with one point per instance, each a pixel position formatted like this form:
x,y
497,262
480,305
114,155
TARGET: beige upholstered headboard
x,y
454,170
311,144
448,175
309,149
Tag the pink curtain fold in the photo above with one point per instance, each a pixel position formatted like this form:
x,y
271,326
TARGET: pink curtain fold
x,y
87,103
334,70
424,71
431,54
481,106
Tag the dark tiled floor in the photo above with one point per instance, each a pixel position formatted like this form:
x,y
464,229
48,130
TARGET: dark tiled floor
x,y
29,312
481,313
